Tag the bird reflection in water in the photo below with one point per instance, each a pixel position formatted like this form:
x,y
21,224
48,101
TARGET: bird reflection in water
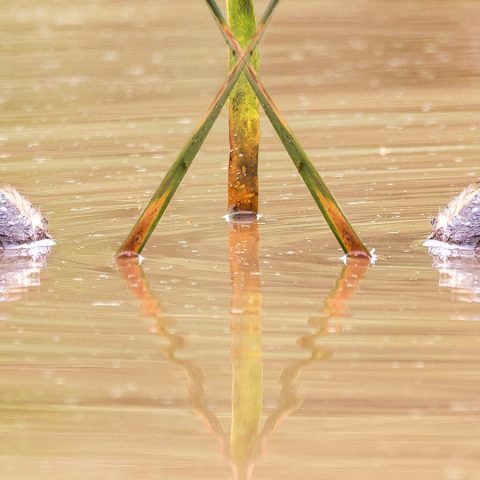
x,y
248,439
20,270
459,269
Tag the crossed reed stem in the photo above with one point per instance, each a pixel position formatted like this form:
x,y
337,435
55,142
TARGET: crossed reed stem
x,y
346,236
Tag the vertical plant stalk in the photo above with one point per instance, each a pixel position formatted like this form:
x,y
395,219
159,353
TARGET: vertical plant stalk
x,y
346,236
247,365
244,118
143,228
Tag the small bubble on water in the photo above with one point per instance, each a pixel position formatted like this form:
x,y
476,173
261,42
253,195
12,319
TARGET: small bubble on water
x,y
110,56
383,151
116,392
135,71
106,304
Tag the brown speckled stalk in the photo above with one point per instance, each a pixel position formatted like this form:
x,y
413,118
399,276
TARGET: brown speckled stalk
x,y
244,118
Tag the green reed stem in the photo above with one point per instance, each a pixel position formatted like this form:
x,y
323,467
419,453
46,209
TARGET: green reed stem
x,y
244,118
143,228
346,236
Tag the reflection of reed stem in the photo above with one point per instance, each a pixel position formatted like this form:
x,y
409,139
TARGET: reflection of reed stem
x,y
344,288
137,283
247,367
246,443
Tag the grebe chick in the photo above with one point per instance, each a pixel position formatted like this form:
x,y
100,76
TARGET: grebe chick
x,y
20,222
459,222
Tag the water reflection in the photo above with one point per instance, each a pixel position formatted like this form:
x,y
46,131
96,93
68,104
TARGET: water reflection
x,y
247,440
334,307
19,270
458,270
247,365
137,283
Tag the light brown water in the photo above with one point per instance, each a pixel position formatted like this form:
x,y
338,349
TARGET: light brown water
x,y
328,371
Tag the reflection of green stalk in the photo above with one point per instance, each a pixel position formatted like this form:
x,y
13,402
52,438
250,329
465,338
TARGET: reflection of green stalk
x,y
341,228
247,365
143,228
244,118
246,442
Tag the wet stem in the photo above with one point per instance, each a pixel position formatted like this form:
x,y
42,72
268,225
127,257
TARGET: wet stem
x,y
244,118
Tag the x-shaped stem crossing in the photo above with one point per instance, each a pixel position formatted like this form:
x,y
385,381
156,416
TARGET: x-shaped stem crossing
x,y
341,228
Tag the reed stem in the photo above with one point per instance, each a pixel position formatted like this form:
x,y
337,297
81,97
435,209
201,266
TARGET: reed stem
x,y
244,118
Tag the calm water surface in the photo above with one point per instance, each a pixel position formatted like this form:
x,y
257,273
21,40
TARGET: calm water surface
x,y
239,351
